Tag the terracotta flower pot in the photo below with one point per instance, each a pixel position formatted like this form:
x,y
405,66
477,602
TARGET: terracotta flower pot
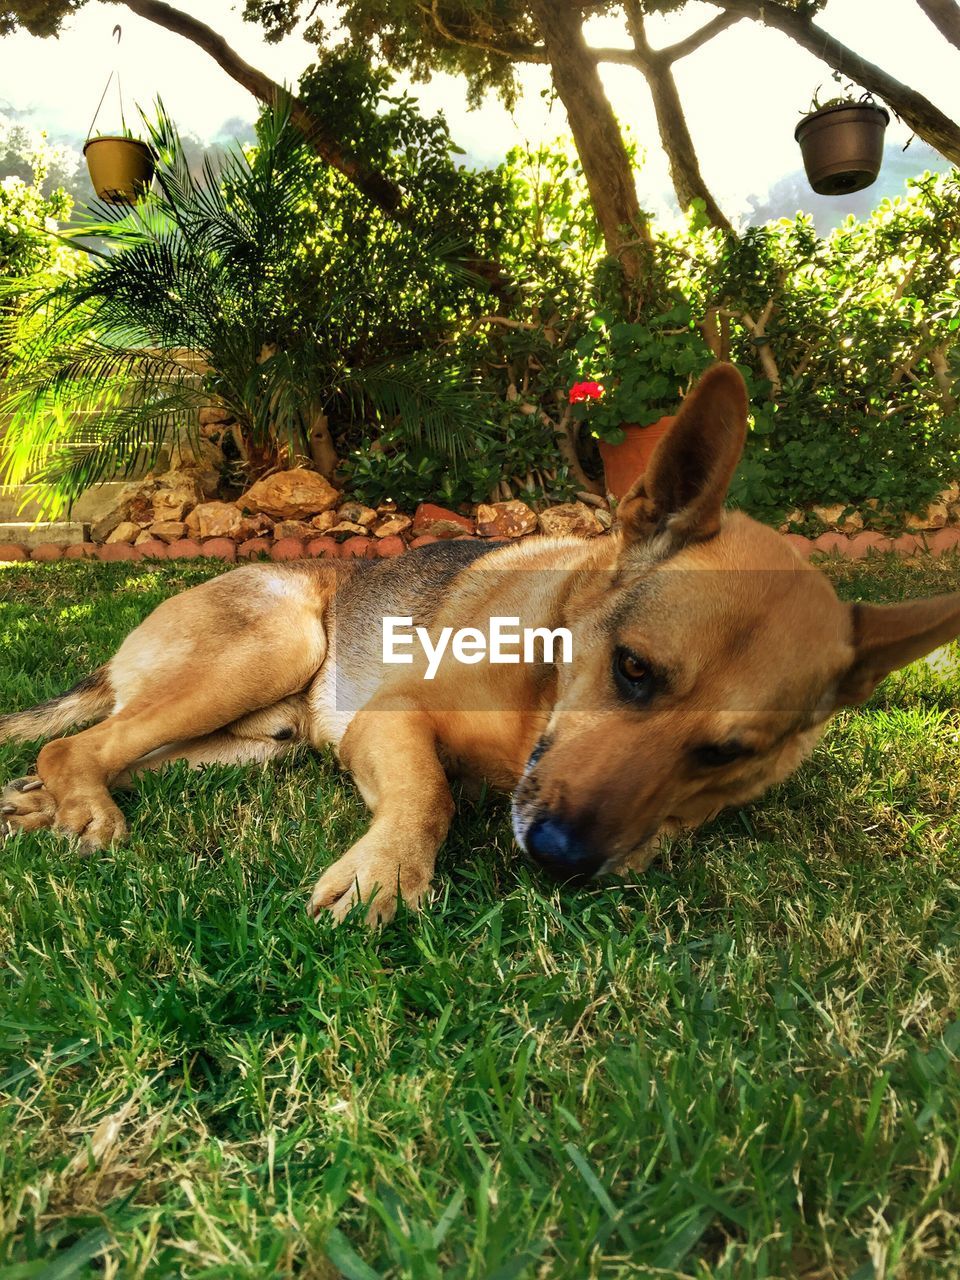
x,y
625,462
842,146
121,169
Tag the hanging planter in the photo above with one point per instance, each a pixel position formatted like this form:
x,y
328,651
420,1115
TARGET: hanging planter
x,y
121,169
842,145
121,166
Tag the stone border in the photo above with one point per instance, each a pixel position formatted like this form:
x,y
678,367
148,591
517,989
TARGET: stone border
x,y
851,547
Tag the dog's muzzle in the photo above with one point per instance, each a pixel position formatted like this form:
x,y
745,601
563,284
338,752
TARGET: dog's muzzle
x,y
553,842
556,847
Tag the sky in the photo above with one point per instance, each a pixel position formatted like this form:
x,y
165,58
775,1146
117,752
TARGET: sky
x,y
743,92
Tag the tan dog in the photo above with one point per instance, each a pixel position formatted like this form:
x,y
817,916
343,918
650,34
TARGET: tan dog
x,y
707,658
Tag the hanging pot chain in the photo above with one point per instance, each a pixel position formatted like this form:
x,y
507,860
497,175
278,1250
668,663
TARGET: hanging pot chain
x,y
114,74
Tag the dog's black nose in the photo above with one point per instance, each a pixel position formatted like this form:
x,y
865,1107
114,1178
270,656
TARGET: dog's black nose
x,y
557,848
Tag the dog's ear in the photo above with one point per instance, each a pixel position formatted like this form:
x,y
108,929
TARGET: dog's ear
x,y
684,487
888,636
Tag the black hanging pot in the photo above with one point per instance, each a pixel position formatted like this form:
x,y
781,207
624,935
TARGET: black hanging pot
x,y
842,146
121,169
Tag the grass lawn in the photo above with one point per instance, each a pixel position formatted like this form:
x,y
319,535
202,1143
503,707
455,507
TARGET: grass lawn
x,y
743,1065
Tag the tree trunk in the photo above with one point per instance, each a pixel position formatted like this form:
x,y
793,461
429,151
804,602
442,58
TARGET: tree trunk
x,y
596,133
675,137
945,16
926,120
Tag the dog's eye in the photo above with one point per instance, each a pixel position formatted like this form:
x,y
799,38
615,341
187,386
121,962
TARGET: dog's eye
x,y
712,755
635,678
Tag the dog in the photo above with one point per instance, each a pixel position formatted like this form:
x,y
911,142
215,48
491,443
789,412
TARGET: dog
x,y
707,658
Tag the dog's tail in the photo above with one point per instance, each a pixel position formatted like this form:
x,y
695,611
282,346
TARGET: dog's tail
x,y
90,699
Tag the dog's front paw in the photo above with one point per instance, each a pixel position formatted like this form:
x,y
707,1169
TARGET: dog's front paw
x,y
375,879
25,805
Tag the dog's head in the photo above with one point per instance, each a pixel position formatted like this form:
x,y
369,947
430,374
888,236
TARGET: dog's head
x,y
707,661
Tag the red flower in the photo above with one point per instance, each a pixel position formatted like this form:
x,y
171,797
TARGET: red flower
x,y
581,391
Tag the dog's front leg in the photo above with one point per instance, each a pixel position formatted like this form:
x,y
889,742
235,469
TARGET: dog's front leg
x,y
391,751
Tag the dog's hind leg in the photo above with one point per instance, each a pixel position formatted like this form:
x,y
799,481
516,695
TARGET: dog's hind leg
x,y
202,662
253,739
26,804
390,748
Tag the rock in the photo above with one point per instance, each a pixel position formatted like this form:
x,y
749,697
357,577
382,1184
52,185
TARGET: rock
x,y
324,521
423,542
392,526
949,495
386,508
167,530
291,495
259,524
605,518
293,529
357,513
177,493
9,551
505,519
438,522
935,517
213,415
217,520
347,528
126,531
132,503
198,453
834,517
78,551
591,499
570,519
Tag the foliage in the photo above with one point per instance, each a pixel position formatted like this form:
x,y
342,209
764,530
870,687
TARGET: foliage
x,y
741,1065
29,221
645,367
849,343
214,292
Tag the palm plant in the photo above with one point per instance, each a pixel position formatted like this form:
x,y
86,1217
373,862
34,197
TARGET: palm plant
x,y
194,297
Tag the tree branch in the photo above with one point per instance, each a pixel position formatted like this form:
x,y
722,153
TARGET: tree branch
x,y
945,16
674,52
384,193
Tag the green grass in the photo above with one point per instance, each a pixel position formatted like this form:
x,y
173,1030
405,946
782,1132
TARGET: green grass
x,y
743,1065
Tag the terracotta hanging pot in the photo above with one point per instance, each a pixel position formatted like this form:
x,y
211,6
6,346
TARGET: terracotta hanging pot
x,y
626,462
842,146
121,169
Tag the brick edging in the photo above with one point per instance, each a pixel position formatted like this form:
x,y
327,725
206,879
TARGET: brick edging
x,y
853,547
